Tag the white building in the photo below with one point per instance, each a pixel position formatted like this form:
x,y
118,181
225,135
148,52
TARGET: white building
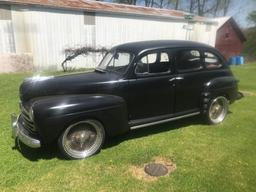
x,y
42,29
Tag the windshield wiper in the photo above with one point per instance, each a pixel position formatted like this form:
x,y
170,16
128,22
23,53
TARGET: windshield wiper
x,y
100,70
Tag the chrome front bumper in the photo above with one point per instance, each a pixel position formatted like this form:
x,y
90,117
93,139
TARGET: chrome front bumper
x,y
20,133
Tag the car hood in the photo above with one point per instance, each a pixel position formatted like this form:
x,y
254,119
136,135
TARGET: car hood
x,y
80,83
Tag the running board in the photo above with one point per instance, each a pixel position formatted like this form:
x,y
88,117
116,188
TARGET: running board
x,y
164,120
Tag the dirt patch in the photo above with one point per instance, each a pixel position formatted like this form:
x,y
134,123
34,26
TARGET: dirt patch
x,y
139,173
248,93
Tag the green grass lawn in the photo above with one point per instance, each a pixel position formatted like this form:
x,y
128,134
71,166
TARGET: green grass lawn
x,y
208,158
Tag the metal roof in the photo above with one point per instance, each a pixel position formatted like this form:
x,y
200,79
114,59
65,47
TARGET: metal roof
x,y
96,6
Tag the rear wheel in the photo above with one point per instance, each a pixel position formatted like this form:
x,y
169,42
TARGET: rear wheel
x,y
82,139
217,110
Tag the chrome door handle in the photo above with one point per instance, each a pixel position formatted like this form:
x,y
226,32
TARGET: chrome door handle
x,y
172,79
175,78
179,78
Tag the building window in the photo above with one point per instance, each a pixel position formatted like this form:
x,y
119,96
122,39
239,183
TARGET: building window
x,y
89,18
226,35
5,12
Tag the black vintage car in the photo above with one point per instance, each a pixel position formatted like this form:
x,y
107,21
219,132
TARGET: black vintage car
x,y
135,85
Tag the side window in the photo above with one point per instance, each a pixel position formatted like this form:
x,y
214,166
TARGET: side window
x,y
188,60
149,59
164,57
151,63
211,61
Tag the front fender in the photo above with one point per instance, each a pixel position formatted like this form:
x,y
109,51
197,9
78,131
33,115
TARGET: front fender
x,y
55,113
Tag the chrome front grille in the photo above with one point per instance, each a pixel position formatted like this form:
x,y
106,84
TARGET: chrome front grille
x,y
26,121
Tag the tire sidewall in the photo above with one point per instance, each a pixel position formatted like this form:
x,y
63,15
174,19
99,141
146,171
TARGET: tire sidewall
x,y
67,155
209,120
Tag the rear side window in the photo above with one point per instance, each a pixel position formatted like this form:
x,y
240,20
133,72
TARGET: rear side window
x,y
149,59
157,62
211,61
188,60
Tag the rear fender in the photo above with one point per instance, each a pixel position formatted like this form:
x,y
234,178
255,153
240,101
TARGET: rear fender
x,y
221,86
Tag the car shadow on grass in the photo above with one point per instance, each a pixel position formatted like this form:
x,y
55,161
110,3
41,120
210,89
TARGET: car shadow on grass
x,y
51,152
151,130
43,153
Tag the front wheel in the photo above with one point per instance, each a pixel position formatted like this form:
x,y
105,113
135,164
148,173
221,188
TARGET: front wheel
x,y
82,139
217,110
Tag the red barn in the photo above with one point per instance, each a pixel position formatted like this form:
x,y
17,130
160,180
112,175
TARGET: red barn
x,y
229,37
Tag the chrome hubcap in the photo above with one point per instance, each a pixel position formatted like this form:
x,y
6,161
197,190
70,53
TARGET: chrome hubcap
x,y
83,139
218,109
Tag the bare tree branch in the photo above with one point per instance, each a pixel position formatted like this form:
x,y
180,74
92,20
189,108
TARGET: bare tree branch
x,y
72,53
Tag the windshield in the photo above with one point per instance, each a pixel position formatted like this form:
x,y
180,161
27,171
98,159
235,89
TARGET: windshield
x,y
116,61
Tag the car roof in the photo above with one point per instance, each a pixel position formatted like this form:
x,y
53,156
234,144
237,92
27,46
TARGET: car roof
x,y
140,46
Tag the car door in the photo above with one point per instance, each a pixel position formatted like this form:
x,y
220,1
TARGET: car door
x,y
189,80
151,93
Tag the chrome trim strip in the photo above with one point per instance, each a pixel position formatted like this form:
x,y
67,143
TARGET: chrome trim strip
x,y
164,120
28,122
23,109
26,117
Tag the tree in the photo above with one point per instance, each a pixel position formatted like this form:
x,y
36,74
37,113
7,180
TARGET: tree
x,y
192,6
209,7
250,44
252,18
218,2
72,53
147,3
177,4
198,7
226,4
130,2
